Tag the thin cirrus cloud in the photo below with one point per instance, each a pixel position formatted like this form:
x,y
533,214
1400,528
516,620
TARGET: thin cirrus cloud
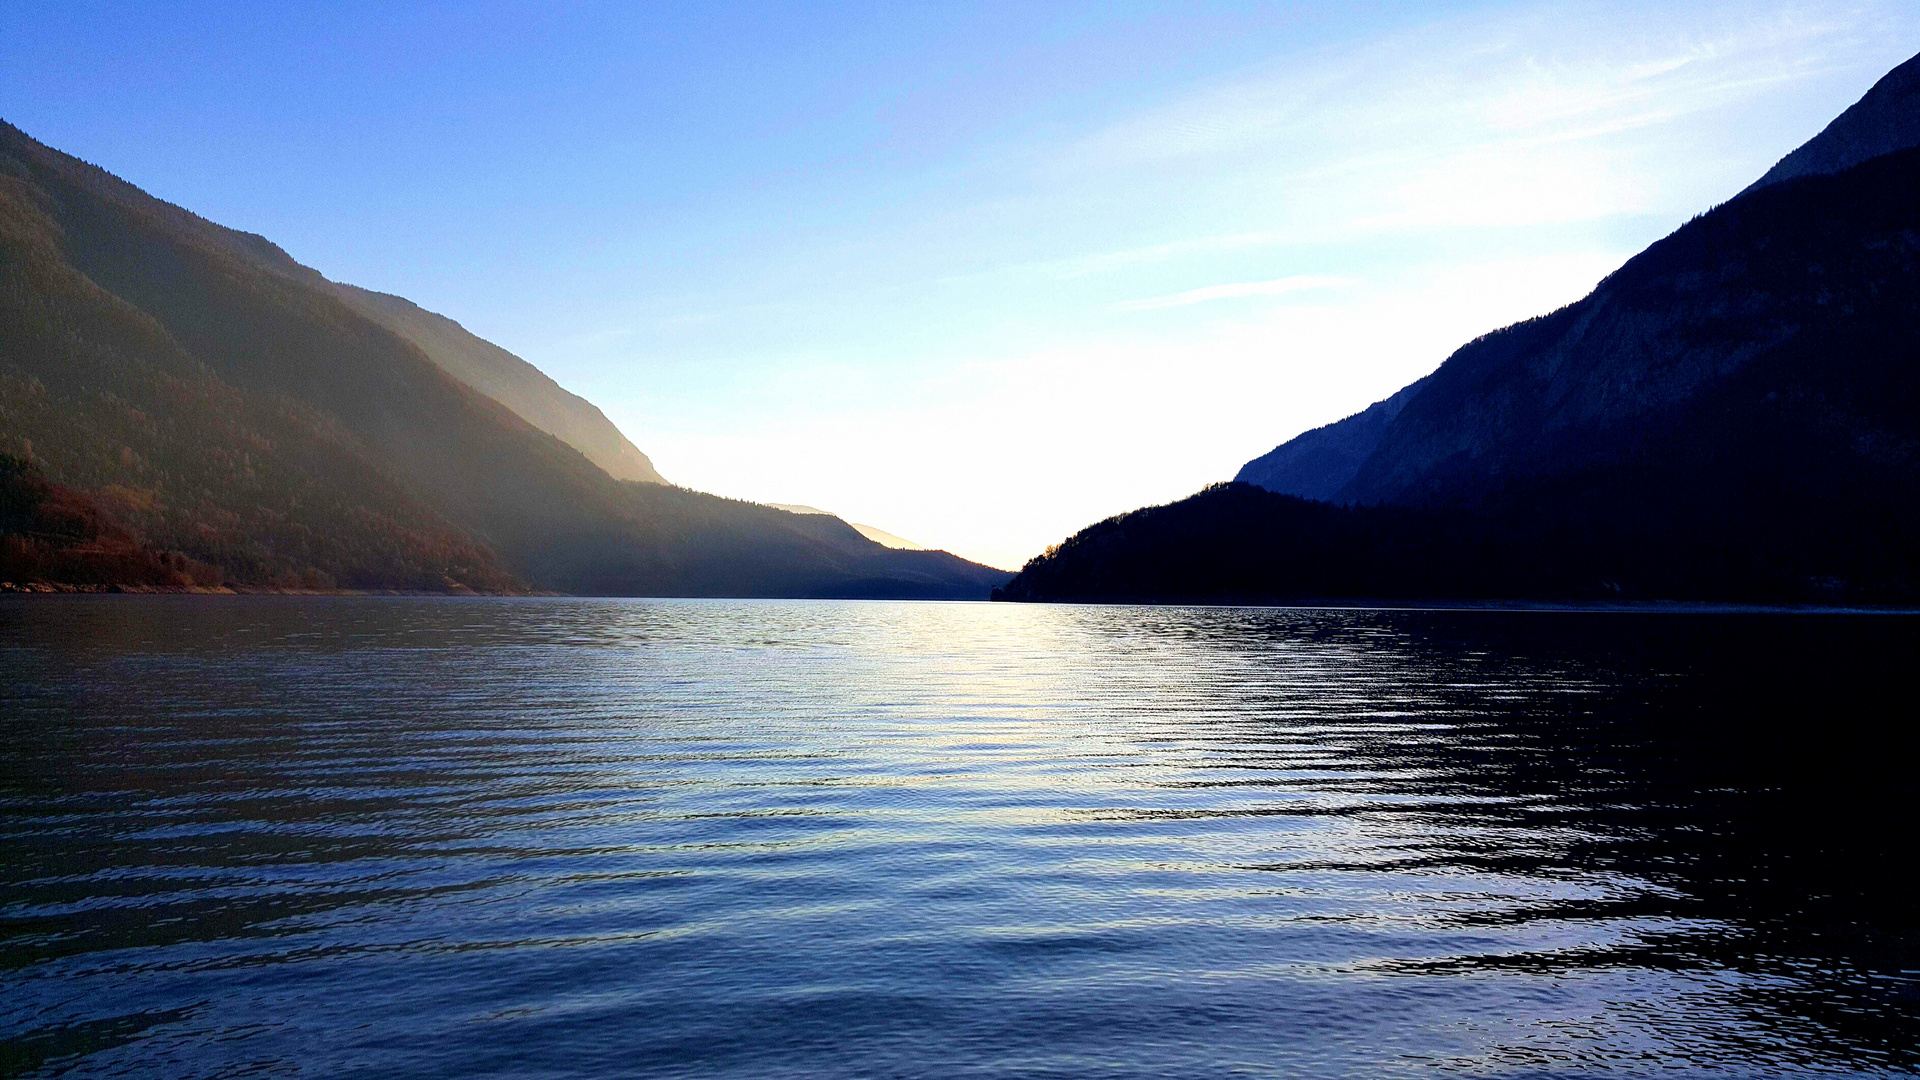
x,y
1517,81
1237,290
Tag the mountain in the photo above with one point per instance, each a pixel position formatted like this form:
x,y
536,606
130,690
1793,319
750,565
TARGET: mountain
x,y
1321,462
877,535
1885,120
184,404
886,539
1239,543
1776,331
1732,415
508,380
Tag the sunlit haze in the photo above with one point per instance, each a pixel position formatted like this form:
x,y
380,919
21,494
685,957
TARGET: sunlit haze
x,y
977,277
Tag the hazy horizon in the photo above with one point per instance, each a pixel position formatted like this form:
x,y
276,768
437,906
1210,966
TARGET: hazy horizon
x,y
978,278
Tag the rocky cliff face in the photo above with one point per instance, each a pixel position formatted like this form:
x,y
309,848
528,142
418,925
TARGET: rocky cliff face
x,y
1669,326
1885,120
1787,307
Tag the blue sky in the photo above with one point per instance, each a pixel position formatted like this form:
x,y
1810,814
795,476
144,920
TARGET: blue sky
x,y
977,274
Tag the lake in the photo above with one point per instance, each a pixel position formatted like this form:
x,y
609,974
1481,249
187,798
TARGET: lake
x,y
409,837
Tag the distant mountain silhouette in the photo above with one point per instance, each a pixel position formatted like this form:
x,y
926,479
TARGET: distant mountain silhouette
x,y
183,404
877,535
886,539
1734,414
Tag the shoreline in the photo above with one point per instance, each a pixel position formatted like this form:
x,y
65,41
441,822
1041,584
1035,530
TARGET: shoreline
x,y
52,588
1685,607
1621,607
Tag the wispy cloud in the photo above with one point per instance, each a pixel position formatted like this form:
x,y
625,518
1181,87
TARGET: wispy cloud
x,y
1275,287
1478,79
1459,176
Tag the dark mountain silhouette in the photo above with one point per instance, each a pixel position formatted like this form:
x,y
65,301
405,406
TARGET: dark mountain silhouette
x,y
1237,542
1885,120
1734,414
1781,323
175,390
877,535
1320,463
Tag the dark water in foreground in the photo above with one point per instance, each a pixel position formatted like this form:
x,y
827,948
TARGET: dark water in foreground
x,y
400,838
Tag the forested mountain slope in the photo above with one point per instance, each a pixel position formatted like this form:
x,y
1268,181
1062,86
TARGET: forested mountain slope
x,y
1777,329
1322,463
507,379
1734,414
210,398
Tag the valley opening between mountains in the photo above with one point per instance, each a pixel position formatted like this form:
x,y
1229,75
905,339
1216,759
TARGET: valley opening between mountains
x,y
1732,416
1540,721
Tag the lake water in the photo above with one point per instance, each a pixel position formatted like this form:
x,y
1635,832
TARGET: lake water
x,y
574,838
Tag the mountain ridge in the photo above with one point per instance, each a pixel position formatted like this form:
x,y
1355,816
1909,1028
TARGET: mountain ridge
x,y
1734,414
473,360
208,396
1884,120
1318,464
506,378
872,532
1327,462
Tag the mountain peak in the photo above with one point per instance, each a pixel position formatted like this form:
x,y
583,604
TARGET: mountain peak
x,y
1885,120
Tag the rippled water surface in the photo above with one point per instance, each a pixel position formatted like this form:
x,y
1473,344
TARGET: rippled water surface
x,y
546,838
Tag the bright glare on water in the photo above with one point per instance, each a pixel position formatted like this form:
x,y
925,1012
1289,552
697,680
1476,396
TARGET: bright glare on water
x,y
572,838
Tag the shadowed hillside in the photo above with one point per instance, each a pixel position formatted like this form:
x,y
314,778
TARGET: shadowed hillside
x,y
1320,463
1650,330
1732,415
1235,542
96,393
215,399
1886,119
507,379
1770,342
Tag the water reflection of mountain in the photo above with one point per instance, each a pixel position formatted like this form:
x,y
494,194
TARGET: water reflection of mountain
x,y
1757,770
